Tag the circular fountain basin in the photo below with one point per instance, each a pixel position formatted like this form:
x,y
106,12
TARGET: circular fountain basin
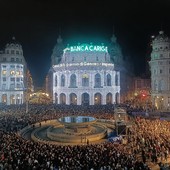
x,y
77,120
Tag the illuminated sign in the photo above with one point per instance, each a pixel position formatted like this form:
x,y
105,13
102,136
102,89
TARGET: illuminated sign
x,y
87,48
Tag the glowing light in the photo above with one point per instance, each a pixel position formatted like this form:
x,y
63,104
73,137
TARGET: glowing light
x,y
86,47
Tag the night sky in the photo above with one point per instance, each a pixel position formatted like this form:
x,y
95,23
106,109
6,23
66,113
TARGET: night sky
x,y
36,24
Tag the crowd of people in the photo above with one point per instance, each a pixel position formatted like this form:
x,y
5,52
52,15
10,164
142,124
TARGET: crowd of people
x,y
148,140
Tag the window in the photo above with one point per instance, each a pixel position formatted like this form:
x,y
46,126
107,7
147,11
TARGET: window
x,y
116,80
108,80
3,66
4,59
12,99
12,51
12,72
97,80
168,100
18,66
17,59
17,73
12,79
72,58
161,55
85,80
62,81
12,59
73,80
17,52
18,86
161,85
18,79
4,72
84,58
154,71
12,66
55,80
155,85
160,71
3,86
4,79
12,86
7,51
97,58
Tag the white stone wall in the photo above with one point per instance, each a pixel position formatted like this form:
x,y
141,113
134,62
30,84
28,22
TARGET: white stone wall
x,y
160,72
12,74
91,71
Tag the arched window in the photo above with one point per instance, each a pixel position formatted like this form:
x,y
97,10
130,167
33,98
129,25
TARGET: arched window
x,y
62,81
97,80
109,98
116,80
73,99
4,98
12,99
73,81
18,99
97,99
85,80
55,80
85,99
108,80
62,98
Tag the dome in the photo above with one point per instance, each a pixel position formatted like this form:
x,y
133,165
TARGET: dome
x,y
13,44
161,38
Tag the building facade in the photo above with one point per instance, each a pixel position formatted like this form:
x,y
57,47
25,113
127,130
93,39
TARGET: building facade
x,y
12,74
85,75
160,71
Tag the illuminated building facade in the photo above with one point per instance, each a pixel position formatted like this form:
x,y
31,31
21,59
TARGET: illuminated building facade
x,y
12,65
160,71
85,75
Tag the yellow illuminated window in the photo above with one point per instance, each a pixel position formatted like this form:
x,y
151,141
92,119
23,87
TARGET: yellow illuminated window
x,y
17,72
4,72
12,72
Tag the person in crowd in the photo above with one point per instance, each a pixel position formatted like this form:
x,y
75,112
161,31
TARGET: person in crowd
x,y
147,140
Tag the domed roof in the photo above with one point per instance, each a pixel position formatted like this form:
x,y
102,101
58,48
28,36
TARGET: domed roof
x,y
161,38
13,44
